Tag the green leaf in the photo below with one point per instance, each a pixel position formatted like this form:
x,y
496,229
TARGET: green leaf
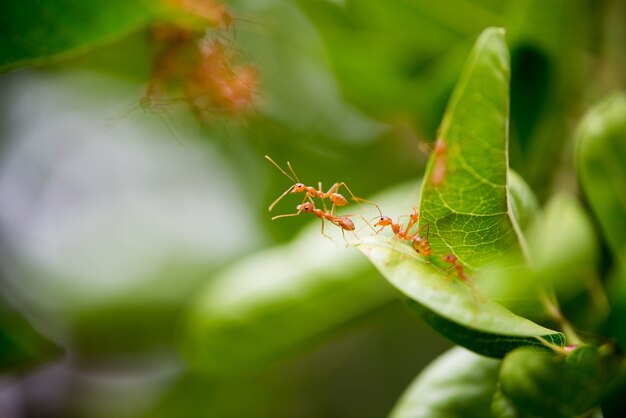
x,y
450,306
464,199
601,164
545,384
464,202
33,31
457,384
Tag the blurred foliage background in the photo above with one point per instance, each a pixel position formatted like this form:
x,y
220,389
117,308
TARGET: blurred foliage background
x,y
140,273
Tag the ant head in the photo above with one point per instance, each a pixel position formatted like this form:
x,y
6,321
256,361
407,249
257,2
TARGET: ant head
x,y
306,207
449,258
383,221
298,188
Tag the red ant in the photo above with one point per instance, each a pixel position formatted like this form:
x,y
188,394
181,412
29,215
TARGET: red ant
x,y
419,243
343,222
335,198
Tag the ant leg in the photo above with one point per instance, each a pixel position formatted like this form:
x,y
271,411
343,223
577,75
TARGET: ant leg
x,y
413,218
358,240
293,172
336,187
306,196
357,237
267,157
343,235
279,198
320,193
364,220
287,215
326,236
417,234
447,269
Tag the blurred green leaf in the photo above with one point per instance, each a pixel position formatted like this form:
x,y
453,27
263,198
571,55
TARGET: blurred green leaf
x,y
450,306
277,301
35,31
548,40
386,66
503,407
561,236
464,197
548,385
523,202
614,401
21,346
601,164
564,252
457,384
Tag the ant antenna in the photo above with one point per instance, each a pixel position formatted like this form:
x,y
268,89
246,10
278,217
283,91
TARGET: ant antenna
x,y
267,157
287,215
278,199
290,178
293,172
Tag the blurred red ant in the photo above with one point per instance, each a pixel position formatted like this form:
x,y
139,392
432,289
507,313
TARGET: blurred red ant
x,y
439,168
454,261
215,84
310,192
171,62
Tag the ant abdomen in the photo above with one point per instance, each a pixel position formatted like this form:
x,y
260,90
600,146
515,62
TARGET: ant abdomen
x,y
421,245
338,199
344,223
